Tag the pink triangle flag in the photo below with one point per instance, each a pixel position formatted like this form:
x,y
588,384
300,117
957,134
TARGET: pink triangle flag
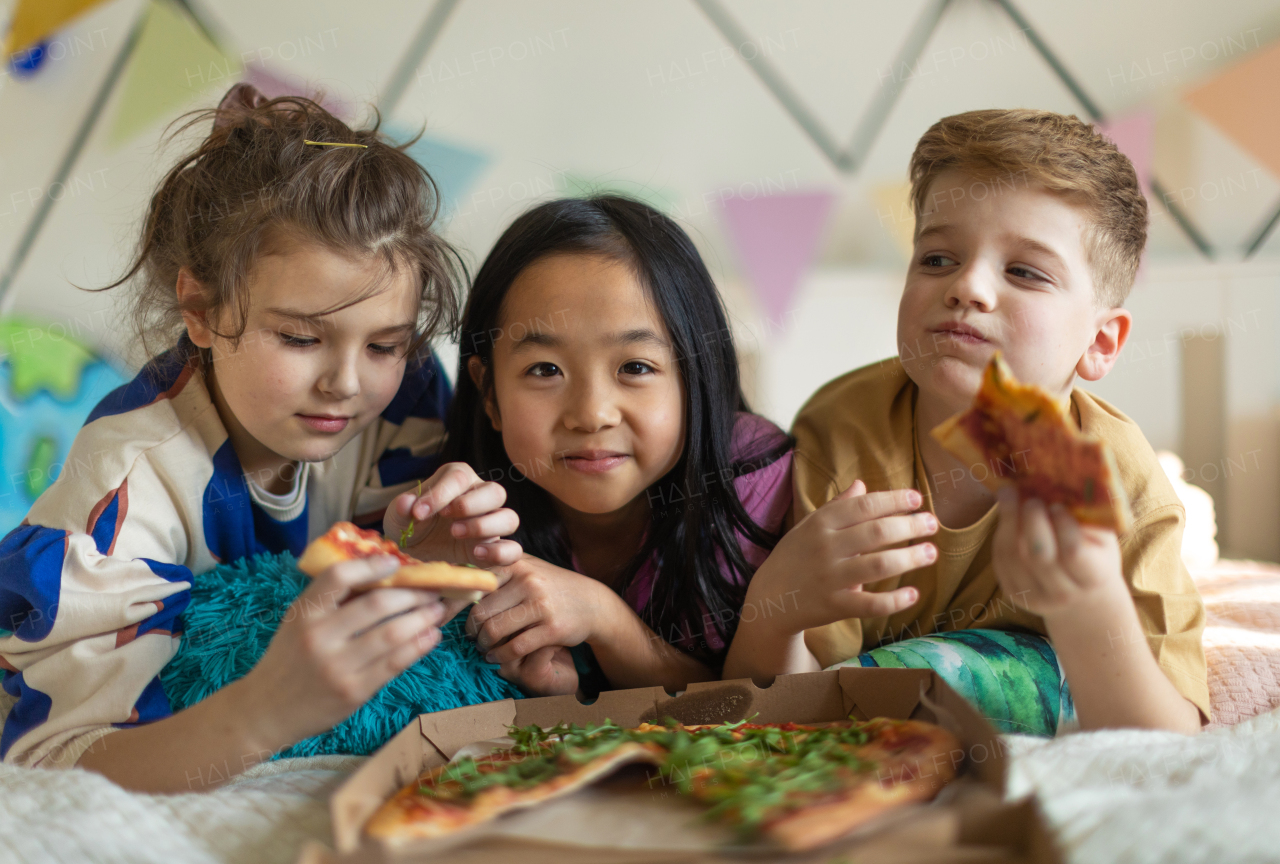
x,y
777,238
1134,134
272,84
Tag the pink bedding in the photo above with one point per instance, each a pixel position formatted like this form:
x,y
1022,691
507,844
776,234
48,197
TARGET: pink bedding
x,y
1241,638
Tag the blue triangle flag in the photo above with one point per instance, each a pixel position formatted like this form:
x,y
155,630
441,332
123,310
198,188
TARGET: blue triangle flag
x,y
454,167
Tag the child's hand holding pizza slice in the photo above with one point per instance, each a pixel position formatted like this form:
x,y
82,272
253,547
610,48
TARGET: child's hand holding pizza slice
x,y
1062,506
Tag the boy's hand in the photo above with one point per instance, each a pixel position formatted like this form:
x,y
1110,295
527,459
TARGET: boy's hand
x,y
540,605
1072,576
548,671
818,569
1050,564
332,651
457,517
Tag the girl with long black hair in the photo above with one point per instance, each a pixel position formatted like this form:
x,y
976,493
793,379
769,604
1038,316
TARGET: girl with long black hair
x,y
598,383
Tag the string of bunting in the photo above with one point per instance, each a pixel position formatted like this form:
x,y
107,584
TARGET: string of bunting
x,y
153,71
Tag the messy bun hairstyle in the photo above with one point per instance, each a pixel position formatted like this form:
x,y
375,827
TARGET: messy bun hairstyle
x,y
255,181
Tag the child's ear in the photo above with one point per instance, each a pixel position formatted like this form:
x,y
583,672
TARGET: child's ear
x,y
475,369
1113,331
189,296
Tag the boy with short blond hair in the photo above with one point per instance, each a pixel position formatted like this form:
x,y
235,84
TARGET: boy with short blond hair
x,y
1029,230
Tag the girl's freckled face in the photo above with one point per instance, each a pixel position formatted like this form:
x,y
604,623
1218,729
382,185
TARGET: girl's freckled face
x,y
587,391
300,386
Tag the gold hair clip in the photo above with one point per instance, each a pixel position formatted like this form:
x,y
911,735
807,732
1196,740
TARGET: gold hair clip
x,y
334,144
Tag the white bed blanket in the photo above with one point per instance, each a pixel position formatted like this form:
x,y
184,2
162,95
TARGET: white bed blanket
x,y
1110,796
1130,796
73,816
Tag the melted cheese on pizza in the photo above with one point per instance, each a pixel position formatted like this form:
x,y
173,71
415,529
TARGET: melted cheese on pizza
x,y
357,542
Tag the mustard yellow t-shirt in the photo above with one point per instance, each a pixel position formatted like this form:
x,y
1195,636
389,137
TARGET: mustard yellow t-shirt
x,y
862,426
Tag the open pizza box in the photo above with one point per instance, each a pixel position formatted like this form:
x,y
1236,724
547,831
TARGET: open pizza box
x,y
635,816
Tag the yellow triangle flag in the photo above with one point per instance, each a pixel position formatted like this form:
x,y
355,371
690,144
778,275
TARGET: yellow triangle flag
x,y
34,20
172,65
1244,103
894,213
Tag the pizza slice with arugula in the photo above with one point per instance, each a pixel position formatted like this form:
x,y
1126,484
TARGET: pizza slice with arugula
x,y
818,781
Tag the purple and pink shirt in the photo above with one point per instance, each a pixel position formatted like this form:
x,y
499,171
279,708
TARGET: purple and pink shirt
x,y
765,494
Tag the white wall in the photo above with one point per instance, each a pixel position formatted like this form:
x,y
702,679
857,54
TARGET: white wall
x,y
648,96
611,104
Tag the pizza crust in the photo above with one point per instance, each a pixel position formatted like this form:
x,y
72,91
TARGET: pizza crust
x,y
448,580
901,779
821,824
954,439
411,816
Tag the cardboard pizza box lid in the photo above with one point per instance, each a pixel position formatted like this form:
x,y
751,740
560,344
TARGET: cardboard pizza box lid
x,y
974,825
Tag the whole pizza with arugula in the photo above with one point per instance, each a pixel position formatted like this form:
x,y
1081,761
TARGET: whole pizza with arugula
x,y
795,786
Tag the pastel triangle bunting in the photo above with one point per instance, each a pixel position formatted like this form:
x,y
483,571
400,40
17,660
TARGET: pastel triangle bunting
x,y
776,238
1244,103
273,83
34,20
893,212
1134,135
454,167
172,65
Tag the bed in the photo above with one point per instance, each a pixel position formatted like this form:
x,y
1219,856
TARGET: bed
x,y
1111,796
1151,796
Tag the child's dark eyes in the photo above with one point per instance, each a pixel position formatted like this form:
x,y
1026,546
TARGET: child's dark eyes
x,y
935,260
551,370
1025,273
385,350
543,370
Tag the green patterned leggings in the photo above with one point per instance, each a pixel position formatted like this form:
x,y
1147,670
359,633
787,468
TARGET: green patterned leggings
x,y
1013,678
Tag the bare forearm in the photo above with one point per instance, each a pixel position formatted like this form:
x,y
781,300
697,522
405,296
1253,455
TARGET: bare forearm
x,y
1114,678
760,652
194,750
632,655
767,645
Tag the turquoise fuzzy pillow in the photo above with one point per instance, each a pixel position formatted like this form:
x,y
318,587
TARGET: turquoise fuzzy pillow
x,y
235,610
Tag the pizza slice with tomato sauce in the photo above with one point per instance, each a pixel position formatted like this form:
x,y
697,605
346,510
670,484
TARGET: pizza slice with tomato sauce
x,y
1017,433
797,786
473,790
346,542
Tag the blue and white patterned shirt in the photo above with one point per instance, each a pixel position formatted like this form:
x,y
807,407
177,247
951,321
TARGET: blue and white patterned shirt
x,y
93,582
